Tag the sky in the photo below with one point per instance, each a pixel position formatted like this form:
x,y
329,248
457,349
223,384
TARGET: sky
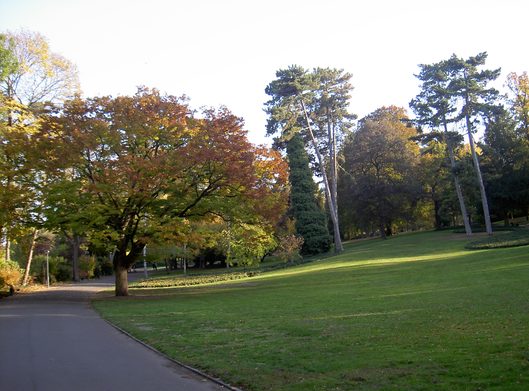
x,y
225,52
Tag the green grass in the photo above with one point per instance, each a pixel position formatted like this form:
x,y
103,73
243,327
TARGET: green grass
x,y
414,312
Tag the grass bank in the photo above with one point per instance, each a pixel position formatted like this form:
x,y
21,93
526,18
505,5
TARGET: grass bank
x,y
413,312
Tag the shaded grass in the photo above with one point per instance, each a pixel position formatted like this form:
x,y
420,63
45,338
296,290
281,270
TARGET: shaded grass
x,y
411,313
513,238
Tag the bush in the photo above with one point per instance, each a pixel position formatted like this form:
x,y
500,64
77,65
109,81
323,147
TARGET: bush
x,y
10,274
63,272
60,269
182,281
105,267
289,248
87,266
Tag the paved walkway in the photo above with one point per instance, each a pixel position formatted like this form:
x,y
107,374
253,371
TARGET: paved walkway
x,y
53,340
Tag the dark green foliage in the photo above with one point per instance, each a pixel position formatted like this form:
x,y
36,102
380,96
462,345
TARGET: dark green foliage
x,y
311,222
506,167
60,270
381,185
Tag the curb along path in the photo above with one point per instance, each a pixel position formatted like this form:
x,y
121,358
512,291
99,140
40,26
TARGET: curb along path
x,y
54,340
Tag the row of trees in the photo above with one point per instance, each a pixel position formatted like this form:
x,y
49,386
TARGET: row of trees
x,y
392,172
120,173
112,175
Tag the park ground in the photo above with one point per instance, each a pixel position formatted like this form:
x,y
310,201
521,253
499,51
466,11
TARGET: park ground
x,y
414,312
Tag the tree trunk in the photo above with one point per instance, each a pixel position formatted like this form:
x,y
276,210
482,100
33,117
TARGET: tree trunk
x,y
382,228
484,202
333,173
338,246
122,280
30,257
459,192
76,242
8,248
437,216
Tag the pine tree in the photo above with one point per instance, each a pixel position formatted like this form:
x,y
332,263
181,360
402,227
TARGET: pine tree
x,y
311,222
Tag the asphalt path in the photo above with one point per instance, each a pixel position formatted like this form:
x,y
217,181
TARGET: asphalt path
x,y
54,340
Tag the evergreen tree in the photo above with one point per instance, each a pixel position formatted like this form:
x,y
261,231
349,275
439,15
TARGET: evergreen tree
x,y
469,85
311,222
435,109
314,104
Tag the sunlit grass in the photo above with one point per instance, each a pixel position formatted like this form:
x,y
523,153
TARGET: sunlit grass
x,y
414,312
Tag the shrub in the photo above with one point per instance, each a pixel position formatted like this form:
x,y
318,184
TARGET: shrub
x,y
289,248
10,274
63,272
181,281
105,266
87,265
60,269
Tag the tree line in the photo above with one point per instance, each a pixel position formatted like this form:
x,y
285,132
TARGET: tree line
x,y
392,172
109,175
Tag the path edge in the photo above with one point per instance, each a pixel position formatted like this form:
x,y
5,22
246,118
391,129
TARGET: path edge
x,y
179,363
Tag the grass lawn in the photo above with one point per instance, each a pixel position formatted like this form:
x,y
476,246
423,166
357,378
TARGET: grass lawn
x,y
414,312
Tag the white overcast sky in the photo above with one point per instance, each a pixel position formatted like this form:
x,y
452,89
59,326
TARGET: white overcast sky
x,y
227,51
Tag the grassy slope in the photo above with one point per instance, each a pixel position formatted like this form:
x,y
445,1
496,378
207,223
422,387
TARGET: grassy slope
x,y
411,313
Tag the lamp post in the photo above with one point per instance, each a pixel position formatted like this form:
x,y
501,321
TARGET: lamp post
x,y
48,268
185,259
145,261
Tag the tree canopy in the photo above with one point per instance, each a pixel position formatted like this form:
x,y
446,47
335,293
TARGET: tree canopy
x,y
142,163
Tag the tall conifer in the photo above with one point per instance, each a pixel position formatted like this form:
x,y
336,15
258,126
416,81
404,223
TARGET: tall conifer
x,y
311,222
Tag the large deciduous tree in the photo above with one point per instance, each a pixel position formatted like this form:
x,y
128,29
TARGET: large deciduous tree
x,y
32,78
381,162
40,75
518,98
144,163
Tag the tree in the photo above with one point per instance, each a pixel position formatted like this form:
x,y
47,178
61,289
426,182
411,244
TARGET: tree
x,y
469,85
8,61
314,104
506,150
434,108
518,86
33,77
311,222
40,75
145,164
20,182
331,90
381,160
